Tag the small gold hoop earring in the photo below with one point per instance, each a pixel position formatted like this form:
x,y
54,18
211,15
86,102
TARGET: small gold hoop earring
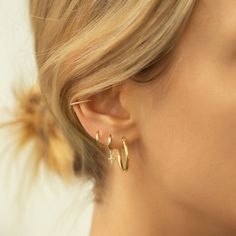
x,y
124,166
111,157
97,136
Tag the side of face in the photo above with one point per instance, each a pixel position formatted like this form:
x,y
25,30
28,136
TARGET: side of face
x,y
189,126
185,120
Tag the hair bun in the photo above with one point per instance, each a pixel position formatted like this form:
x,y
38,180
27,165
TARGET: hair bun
x,y
33,123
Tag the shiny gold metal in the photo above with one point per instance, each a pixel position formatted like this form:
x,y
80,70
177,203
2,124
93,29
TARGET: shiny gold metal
x,y
78,102
111,157
97,136
124,165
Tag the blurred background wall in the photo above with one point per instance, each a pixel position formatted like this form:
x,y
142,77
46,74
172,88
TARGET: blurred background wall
x,y
48,206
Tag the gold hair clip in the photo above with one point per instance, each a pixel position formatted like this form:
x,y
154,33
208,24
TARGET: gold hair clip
x,y
78,102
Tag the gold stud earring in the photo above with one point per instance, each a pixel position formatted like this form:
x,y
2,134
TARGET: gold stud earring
x,y
124,165
111,155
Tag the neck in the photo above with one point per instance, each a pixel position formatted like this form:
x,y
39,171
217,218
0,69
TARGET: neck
x,y
135,204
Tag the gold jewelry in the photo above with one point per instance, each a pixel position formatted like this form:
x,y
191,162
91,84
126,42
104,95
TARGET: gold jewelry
x,y
124,166
111,155
78,102
97,136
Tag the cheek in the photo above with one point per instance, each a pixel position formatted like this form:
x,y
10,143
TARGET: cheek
x,y
192,138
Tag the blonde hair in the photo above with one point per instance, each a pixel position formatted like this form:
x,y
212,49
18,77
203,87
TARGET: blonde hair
x,y
83,48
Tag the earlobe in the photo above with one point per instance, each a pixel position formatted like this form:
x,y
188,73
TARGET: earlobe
x,y
123,162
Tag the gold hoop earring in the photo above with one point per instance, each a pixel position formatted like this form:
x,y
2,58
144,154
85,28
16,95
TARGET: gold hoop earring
x,y
97,136
124,166
111,157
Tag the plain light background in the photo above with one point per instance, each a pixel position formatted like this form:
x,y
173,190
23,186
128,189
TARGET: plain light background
x,y
49,207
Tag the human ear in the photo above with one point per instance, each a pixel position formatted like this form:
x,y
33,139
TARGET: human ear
x,y
107,113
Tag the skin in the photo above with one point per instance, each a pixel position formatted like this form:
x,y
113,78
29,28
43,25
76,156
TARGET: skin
x,y
181,135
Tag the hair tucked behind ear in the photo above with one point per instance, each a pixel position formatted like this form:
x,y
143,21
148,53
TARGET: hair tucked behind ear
x,y
84,47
